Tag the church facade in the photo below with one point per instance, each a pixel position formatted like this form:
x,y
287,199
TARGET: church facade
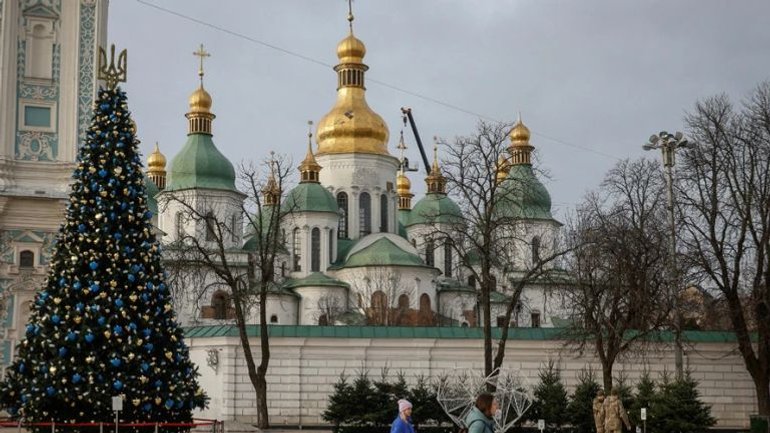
x,y
355,251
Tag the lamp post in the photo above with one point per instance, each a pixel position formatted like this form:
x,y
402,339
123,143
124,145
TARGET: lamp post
x,y
668,145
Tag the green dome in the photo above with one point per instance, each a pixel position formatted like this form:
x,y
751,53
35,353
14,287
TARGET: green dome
x,y
435,208
200,165
310,197
152,190
524,196
383,251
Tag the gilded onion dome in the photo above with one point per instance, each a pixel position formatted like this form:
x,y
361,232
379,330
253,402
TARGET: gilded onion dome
x,y
156,168
503,167
404,191
351,126
521,150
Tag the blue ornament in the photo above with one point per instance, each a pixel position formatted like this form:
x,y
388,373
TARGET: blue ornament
x,y
145,366
93,265
50,390
76,285
76,378
158,383
169,404
147,407
179,404
103,173
132,326
117,236
22,367
148,347
79,307
30,329
145,297
115,362
62,352
119,303
81,228
62,281
94,287
55,319
89,337
147,332
150,285
101,321
118,385
117,330
71,336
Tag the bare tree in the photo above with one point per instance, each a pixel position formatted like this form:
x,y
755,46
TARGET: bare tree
x,y
330,308
212,253
619,294
725,200
380,295
495,223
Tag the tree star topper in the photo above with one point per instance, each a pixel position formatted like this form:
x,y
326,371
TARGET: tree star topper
x,y
111,73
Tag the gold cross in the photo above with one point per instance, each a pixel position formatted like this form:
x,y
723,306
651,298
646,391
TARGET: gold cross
x,y
201,53
350,14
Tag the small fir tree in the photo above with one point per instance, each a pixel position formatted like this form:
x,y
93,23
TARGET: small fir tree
x,y
580,409
550,399
678,408
625,392
103,324
426,407
341,404
645,396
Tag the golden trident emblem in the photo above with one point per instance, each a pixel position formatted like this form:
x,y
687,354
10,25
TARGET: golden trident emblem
x,y
111,73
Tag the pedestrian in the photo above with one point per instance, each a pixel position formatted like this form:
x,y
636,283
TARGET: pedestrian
x,y
481,418
614,413
598,406
403,422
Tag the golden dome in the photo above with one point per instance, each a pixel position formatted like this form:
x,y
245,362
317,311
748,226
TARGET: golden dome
x,y
503,167
519,133
351,50
351,126
156,161
200,101
403,184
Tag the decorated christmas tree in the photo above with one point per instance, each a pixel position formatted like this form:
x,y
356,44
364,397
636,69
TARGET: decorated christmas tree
x,y
103,325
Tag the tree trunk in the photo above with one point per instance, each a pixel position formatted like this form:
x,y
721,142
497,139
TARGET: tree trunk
x,y
240,323
261,385
607,375
762,387
487,324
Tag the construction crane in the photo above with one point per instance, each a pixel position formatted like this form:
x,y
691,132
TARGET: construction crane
x,y
406,114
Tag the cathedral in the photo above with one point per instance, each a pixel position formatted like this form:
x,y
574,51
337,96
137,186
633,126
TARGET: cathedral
x,y
355,250
358,247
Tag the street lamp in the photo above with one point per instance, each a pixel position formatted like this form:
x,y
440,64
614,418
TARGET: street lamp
x,y
668,145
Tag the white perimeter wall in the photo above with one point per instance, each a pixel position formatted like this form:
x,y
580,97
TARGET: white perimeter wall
x,y
303,370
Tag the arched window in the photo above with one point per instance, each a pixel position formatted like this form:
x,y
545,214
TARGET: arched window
x,y
331,245
273,319
414,242
40,50
384,213
535,250
472,281
296,250
403,302
424,303
448,247
315,250
430,260
211,224
220,301
179,221
535,318
342,204
283,269
234,228
492,283
379,307
364,214
26,259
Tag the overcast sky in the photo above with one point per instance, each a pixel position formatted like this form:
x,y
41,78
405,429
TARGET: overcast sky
x,y
592,79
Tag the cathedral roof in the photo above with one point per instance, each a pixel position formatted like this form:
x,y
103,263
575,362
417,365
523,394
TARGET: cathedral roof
x,y
310,197
152,191
381,249
316,279
201,165
434,208
524,195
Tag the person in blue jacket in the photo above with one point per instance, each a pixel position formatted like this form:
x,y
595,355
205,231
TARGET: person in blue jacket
x,y
403,422
481,418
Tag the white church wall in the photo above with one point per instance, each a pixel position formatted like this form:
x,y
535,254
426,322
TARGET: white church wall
x,y
282,308
303,371
355,173
316,301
